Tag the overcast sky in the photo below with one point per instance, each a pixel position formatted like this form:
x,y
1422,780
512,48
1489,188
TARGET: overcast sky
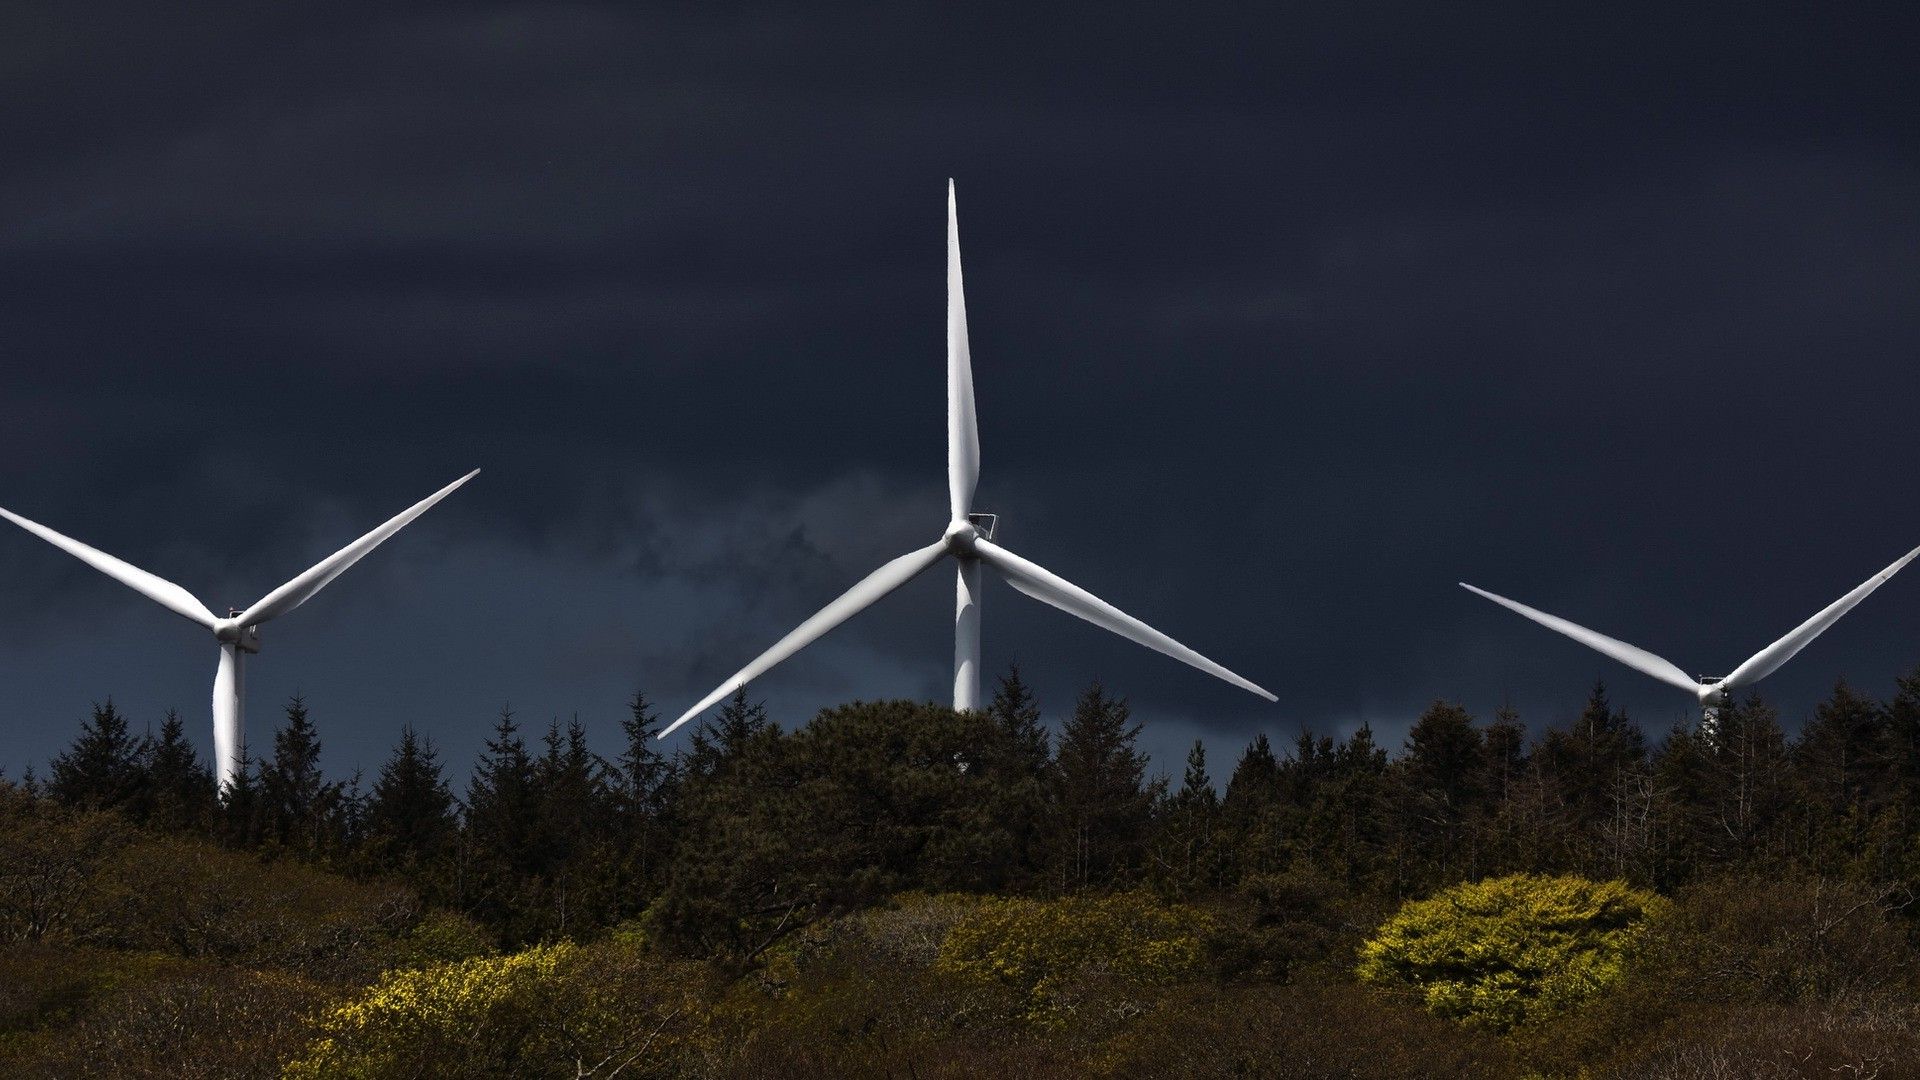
x,y
1283,322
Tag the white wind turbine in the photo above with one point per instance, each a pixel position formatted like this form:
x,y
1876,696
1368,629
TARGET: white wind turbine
x,y
239,632
969,546
1711,691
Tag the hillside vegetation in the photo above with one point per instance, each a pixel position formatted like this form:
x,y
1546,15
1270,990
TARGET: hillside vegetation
x,y
897,889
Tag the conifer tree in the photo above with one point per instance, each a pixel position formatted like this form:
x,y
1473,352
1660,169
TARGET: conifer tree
x,y
1101,809
1024,763
1446,773
646,779
409,817
718,740
1186,855
502,817
1840,756
1504,745
1017,713
180,786
301,807
104,768
241,804
1255,783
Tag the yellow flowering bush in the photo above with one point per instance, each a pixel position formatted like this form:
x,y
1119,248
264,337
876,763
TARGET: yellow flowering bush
x,y
1043,950
554,1010
462,1010
1505,950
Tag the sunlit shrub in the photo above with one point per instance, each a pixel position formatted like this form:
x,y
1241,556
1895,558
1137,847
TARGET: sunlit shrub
x,y
1047,952
1501,951
553,1010
472,1010
439,937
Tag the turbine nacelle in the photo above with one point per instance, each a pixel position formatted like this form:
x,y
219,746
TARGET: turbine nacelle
x,y
231,631
1713,691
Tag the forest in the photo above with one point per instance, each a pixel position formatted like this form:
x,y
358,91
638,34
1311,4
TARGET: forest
x,y
897,889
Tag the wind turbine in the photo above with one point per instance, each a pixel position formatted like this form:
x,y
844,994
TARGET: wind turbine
x,y
238,633
969,545
1711,691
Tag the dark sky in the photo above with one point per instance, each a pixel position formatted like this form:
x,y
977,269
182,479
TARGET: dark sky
x,y
1283,322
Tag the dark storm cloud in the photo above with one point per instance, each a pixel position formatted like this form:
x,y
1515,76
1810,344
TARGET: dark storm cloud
x,y
1283,322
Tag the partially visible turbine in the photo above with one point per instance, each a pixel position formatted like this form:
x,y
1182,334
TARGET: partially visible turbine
x,y
966,543
1711,691
239,632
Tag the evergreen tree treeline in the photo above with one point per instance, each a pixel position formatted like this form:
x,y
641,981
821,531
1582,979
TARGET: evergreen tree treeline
x,y
751,832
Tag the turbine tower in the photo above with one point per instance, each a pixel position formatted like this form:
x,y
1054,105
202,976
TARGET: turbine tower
x,y
1711,691
968,539
238,633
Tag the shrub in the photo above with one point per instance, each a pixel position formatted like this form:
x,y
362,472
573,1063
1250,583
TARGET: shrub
x,y
1501,951
207,1023
1744,968
1783,940
553,1010
1301,1032
1051,952
1274,927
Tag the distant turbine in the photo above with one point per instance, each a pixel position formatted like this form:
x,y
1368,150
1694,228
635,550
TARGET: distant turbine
x,y
1711,691
239,632
964,541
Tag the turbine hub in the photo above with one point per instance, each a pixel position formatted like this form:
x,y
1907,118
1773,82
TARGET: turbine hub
x,y
1713,691
960,537
228,631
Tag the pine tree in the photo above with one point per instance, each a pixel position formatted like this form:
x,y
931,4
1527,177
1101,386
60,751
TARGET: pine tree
x,y
301,808
241,810
1024,764
717,741
1445,771
1840,756
409,817
1185,852
499,862
1900,751
1841,772
571,826
1255,784
1505,752
646,775
1101,807
104,768
645,793
180,787
1017,713
1598,770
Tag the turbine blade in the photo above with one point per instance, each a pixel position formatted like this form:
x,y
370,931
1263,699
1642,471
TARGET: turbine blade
x,y
1047,587
850,603
155,588
1768,660
1631,655
963,430
301,589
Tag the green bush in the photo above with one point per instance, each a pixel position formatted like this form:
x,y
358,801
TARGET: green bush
x,y
1744,967
1505,950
